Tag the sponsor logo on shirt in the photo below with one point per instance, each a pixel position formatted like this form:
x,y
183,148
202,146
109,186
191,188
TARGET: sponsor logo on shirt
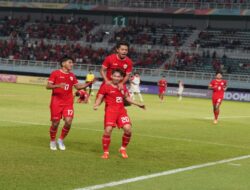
x,y
61,77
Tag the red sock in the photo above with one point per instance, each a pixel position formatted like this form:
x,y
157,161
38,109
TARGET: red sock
x,y
216,114
105,143
64,133
52,133
125,140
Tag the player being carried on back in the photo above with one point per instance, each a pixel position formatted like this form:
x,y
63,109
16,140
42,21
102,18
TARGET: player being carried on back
x,y
115,112
118,60
219,86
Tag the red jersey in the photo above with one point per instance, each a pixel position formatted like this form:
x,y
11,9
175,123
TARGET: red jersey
x,y
162,83
113,62
113,97
218,87
62,96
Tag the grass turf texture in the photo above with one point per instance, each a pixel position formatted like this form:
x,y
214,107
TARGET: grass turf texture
x,y
166,136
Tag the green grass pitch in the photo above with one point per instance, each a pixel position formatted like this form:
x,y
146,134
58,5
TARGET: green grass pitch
x,y
166,136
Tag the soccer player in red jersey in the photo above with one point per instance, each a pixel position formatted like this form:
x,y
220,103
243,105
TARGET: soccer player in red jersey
x,y
162,84
219,86
61,83
83,96
118,60
115,112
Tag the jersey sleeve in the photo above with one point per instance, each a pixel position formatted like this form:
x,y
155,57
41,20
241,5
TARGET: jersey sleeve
x,y
75,81
102,90
106,62
52,77
129,68
211,83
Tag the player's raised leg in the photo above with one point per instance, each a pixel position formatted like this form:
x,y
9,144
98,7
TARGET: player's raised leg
x,y
106,141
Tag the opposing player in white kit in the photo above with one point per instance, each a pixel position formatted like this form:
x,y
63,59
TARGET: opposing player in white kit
x,y
135,86
180,90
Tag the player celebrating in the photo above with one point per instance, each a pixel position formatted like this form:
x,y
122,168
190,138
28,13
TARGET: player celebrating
x,y
219,86
180,90
118,60
115,112
162,84
61,82
135,86
83,96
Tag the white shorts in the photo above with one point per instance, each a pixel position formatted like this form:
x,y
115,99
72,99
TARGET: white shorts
x,y
135,89
180,91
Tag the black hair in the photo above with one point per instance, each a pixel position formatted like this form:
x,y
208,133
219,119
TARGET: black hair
x,y
122,43
218,72
65,58
118,71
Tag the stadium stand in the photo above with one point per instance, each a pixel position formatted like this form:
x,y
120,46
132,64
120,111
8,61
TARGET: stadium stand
x,y
153,34
64,28
87,41
230,38
206,62
227,4
39,51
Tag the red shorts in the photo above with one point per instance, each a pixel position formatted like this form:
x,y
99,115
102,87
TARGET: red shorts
x,y
162,90
116,119
58,112
217,100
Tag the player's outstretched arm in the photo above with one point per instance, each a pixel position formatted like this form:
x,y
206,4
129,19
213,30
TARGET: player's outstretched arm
x,y
80,86
98,101
50,85
129,100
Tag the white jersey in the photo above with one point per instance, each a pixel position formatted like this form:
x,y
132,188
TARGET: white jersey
x,y
181,88
135,84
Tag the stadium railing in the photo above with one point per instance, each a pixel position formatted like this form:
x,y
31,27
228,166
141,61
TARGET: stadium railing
x,y
46,67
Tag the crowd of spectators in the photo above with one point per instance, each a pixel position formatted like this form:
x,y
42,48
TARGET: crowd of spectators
x,y
160,34
151,59
63,28
230,39
39,51
185,61
208,62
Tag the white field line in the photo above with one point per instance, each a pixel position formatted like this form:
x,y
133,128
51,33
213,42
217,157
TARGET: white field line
x,y
165,173
233,164
230,117
143,135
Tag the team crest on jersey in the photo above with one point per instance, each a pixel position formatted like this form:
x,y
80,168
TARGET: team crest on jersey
x,y
125,66
71,78
222,83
